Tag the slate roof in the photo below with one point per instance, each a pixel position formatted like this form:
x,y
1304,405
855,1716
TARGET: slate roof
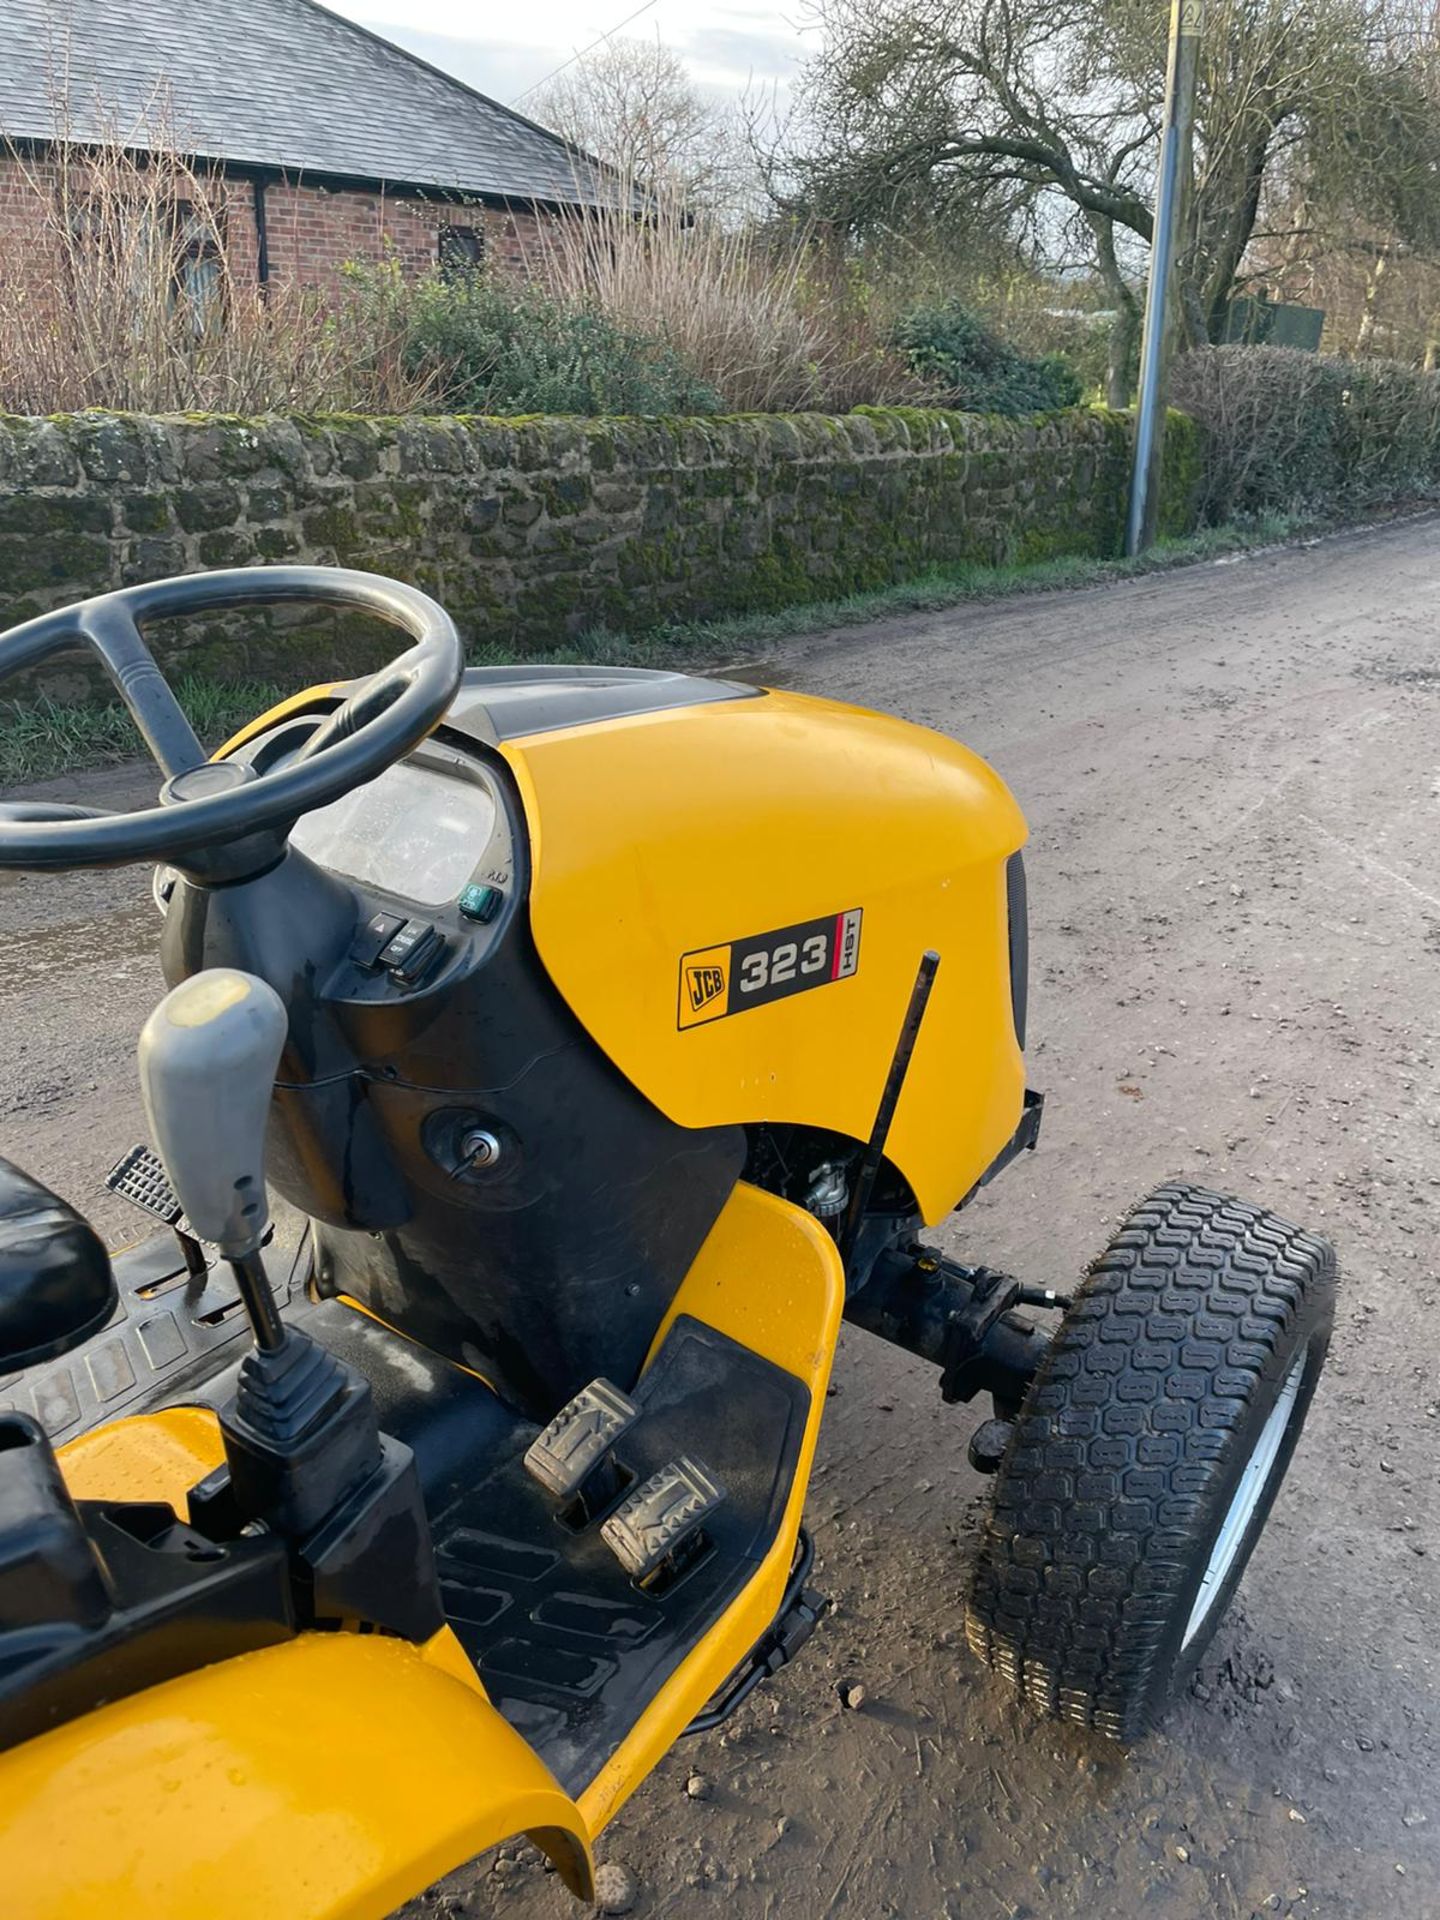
x,y
272,83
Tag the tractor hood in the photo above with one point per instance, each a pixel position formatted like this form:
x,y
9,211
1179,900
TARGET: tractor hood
x,y
733,889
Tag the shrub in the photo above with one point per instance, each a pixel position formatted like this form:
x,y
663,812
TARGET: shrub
x,y
481,345
759,316
1291,432
948,347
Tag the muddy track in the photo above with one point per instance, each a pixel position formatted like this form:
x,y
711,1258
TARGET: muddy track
x,y
1231,775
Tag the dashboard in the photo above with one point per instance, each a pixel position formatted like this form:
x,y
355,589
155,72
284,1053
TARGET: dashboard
x,y
434,849
416,832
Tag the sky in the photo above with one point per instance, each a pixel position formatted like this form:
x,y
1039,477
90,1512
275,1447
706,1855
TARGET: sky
x,y
729,49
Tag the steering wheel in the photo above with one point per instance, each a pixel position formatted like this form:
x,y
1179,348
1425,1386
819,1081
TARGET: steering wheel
x,y
208,805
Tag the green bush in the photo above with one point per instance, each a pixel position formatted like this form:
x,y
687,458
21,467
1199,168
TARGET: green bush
x,y
971,368
484,345
1294,432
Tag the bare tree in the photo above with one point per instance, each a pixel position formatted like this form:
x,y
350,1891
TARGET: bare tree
x,y
1351,222
634,106
1047,111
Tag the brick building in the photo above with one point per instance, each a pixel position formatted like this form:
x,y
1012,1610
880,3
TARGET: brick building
x,y
332,143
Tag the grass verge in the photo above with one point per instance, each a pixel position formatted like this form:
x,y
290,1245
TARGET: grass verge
x,y
43,737
748,636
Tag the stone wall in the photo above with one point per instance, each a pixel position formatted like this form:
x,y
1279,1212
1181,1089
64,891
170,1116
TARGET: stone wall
x,y
532,530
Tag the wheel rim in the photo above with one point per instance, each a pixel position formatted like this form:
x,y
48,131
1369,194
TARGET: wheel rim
x,y
1254,1481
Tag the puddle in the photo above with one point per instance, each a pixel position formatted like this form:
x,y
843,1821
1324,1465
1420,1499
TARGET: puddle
x,y
111,946
759,673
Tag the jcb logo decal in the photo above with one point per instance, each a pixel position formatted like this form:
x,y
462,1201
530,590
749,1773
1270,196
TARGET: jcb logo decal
x,y
768,966
704,985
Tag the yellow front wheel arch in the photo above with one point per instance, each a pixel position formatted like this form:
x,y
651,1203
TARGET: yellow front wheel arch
x,y
331,1778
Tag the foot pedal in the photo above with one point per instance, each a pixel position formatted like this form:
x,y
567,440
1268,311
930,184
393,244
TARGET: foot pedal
x,y
141,1179
579,1438
662,1517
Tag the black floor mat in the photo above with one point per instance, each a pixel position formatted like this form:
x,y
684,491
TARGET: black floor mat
x,y
569,1649
168,1334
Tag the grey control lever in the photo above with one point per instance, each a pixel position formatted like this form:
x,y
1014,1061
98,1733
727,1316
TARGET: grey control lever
x,y
300,1432
208,1057
304,1454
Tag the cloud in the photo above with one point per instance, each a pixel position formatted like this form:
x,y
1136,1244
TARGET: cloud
x,y
725,47
729,50
502,69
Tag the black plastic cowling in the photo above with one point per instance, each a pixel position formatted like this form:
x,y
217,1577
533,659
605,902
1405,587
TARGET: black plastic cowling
x,y
100,1599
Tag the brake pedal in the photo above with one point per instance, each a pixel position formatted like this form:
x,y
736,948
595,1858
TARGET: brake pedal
x,y
141,1179
661,1520
580,1436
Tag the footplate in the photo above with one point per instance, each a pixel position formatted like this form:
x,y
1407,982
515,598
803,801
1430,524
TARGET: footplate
x,y
580,1436
662,1517
570,1647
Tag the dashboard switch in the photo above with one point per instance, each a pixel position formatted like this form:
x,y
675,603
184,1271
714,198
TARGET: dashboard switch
x,y
410,953
482,903
372,938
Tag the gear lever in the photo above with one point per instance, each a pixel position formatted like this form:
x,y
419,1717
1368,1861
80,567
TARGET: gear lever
x,y
208,1055
301,1431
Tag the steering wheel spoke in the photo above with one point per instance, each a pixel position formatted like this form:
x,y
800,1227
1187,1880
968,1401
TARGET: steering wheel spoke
x,y
206,814
369,700
17,810
115,635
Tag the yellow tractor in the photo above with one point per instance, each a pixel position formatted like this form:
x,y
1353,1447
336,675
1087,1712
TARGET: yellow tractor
x,y
612,1035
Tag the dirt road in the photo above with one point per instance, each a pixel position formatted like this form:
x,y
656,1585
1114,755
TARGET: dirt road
x,y
1232,775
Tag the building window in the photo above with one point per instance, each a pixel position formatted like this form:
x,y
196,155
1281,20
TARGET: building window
x,y
459,251
157,249
199,267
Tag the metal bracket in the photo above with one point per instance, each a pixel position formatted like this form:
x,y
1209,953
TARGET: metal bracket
x,y
1025,1138
962,1370
800,1613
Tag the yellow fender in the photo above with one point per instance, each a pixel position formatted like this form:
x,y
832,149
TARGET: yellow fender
x,y
330,1778
856,813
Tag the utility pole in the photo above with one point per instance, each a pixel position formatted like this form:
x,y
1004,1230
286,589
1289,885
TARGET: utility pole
x,y
1187,20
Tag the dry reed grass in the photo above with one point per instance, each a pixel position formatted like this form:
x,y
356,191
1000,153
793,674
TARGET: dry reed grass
x,y
124,289
132,287
760,316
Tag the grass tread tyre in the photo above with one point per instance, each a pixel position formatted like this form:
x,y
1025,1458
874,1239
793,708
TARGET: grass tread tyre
x,y
1130,1446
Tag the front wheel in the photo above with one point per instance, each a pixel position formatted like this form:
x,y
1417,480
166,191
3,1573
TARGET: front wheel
x,y
1147,1455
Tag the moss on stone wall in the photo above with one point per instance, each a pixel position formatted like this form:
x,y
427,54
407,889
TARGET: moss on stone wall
x,y
1181,475
531,529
